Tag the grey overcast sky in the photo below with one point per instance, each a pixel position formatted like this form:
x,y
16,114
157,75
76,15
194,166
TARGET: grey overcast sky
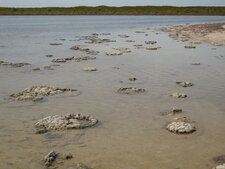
x,y
69,3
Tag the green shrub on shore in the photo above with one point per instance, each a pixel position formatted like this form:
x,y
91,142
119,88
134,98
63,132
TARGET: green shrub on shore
x,y
105,10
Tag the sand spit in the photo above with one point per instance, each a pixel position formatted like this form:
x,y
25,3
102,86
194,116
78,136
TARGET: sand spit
x,y
213,33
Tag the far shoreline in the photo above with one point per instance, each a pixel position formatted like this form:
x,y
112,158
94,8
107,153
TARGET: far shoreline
x,y
124,10
102,15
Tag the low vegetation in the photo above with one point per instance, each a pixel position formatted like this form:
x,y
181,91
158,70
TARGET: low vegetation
x,y
105,10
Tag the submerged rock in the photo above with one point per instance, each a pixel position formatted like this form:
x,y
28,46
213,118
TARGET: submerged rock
x,y
87,50
181,126
65,122
90,69
189,47
81,166
35,69
178,95
49,56
132,79
36,93
152,48
131,90
137,45
130,41
50,158
122,50
76,58
185,84
150,42
95,40
123,36
55,44
48,68
13,64
196,63
113,53
139,31
174,111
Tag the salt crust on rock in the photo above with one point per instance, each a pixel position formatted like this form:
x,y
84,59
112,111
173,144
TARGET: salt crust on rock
x,y
38,92
131,90
181,126
64,122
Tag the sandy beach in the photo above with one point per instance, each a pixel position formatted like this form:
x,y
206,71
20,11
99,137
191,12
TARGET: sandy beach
x,y
213,33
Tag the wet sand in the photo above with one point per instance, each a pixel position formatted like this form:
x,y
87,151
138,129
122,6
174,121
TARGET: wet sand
x,y
131,132
213,33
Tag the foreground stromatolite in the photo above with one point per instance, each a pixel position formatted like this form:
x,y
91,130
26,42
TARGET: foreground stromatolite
x,y
52,156
36,93
181,126
130,90
220,166
64,122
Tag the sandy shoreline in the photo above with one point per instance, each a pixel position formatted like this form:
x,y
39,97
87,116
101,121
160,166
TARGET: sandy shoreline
x,y
213,33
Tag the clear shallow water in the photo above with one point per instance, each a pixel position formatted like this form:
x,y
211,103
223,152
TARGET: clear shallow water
x,y
131,133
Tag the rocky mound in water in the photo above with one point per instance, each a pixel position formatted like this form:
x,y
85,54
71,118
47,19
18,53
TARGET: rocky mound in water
x,y
52,156
181,126
185,84
64,122
175,110
13,64
95,40
76,58
178,95
122,50
130,90
220,166
87,50
36,93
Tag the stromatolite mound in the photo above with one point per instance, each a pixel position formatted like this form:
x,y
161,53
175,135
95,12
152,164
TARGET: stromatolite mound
x,y
87,50
64,122
76,58
122,49
38,92
13,64
81,166
130,90
50,158
185,84
175,110
220,166
181,126
178,95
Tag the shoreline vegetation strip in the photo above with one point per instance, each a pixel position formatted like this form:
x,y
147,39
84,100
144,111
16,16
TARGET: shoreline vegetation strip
x,y
125,10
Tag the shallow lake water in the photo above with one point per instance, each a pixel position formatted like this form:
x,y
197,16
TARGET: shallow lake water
x,y
131,132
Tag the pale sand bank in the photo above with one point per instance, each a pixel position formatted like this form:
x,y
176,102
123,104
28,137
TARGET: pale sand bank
x,y
213,33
